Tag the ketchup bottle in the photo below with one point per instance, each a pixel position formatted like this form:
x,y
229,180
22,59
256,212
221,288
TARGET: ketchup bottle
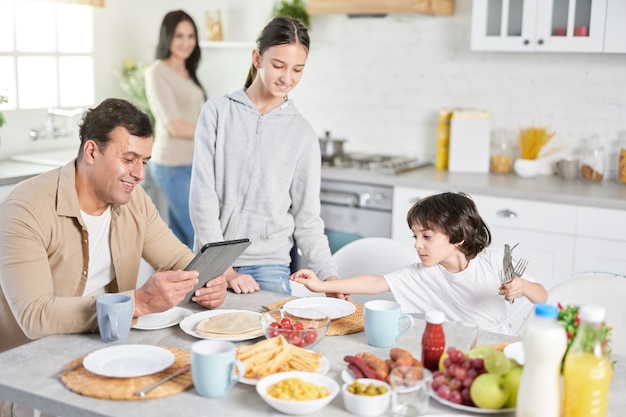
x,y
433,340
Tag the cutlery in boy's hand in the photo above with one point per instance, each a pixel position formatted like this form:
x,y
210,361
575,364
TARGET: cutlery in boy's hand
x,y
144,391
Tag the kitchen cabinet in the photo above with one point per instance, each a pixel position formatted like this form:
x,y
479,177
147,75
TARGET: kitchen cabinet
x,y
365,7
600,240
541,25
403,199
5,189
615,29
544,231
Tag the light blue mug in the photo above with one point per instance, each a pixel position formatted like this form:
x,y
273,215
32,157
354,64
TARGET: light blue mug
x,y
213,365
114,313
383,321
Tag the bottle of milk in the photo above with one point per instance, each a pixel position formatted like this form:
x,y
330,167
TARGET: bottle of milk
x,y
544,341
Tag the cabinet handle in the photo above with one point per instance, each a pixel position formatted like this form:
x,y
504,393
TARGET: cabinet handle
x,y
506,213
526,41
540,41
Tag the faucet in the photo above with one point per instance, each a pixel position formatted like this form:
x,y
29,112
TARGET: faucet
x,y
50,130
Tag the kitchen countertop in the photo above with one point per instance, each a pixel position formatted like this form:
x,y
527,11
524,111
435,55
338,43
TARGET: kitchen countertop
x,y
551,189
21,167
12,172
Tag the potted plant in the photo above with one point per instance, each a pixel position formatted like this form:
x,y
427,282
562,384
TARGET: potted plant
x,y
132,82
292,8
3,99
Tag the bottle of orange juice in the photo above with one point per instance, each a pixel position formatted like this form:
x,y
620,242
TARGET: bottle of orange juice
x,y
587,370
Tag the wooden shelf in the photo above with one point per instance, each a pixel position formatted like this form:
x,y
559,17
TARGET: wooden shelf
x,y
227,44
434,7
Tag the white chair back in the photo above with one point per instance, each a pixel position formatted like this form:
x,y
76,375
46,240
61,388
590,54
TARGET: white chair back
x,y
586,287
376,256
607,290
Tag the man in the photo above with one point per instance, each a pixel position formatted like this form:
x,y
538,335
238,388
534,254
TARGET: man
x,y
80,230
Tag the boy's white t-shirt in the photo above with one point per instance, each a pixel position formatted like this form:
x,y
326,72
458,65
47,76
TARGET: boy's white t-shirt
x,y
101,271
469,295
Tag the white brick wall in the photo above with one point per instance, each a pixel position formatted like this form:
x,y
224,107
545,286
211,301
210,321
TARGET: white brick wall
x,y
380,83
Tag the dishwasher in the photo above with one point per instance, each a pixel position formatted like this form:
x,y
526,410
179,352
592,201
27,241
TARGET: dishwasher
x,y
353,211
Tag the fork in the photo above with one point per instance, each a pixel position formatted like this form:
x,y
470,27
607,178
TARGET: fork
x,y
518,271
520,267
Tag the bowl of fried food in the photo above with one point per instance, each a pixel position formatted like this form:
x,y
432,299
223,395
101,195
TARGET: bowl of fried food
x,y
300,326
270,356
366,397
297,393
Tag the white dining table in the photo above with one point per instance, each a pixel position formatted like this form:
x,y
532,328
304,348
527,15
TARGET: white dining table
x,y
29,373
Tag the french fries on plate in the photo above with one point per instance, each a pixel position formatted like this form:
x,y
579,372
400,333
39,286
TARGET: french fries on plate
x,y
276,355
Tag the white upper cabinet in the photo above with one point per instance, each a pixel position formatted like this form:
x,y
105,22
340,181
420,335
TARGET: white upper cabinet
x,y
615,32
539,25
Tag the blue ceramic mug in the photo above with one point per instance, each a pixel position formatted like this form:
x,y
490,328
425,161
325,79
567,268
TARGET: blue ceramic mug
x,y
383,321
213,365
114,313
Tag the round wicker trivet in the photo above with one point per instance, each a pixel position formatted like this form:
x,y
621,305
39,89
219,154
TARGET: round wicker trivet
x,y
344,325
83,382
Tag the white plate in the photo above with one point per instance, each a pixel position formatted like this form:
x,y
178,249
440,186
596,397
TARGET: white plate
x,y
166,318
332,307
128,361
322,370
188,325
515,351
470,409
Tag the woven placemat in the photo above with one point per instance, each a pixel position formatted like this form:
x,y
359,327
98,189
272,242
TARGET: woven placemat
x,y
83,382
352,323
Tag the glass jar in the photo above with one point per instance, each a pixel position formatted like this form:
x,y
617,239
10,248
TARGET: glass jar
x,y
621,162
501,158
593,161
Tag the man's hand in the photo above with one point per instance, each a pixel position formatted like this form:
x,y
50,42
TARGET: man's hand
x,y
163,290
212,295
241,283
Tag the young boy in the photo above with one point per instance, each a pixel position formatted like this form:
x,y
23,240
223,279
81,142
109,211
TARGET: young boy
x,y
457,273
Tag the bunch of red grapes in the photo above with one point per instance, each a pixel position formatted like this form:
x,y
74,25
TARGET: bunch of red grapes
x,y
454,382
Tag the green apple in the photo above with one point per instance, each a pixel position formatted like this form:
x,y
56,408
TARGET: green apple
x,y
511,380
489,391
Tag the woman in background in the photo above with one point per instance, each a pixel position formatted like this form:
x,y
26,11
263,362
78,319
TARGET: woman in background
x,y
176,97
257,168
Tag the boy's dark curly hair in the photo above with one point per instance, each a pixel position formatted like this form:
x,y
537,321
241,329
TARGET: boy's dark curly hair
x,y
455,215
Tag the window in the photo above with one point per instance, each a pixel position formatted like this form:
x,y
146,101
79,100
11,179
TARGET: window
x,y
46,54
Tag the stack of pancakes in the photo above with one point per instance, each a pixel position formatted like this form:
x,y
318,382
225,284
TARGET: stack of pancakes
x,y
240,324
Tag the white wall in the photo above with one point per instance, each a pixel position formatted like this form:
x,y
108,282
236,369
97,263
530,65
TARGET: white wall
x,y
380,82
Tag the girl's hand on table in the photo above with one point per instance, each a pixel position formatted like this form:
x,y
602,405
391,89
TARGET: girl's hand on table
x,y
241,283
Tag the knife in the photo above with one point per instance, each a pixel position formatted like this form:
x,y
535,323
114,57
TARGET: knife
x,y
507,264
144,391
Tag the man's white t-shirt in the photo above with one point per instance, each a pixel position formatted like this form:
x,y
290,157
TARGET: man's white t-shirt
x,y
100,265
469,295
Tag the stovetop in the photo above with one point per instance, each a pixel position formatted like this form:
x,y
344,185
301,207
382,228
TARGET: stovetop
x,y
381,164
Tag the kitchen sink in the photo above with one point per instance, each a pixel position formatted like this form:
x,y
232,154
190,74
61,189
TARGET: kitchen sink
x,y
54,158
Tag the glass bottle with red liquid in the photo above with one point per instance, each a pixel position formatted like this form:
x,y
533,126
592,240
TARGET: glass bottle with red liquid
x,y
433,340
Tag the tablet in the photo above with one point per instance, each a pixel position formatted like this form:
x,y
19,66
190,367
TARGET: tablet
x,y
214,259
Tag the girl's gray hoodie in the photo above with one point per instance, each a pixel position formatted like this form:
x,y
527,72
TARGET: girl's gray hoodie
x,y
258,176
